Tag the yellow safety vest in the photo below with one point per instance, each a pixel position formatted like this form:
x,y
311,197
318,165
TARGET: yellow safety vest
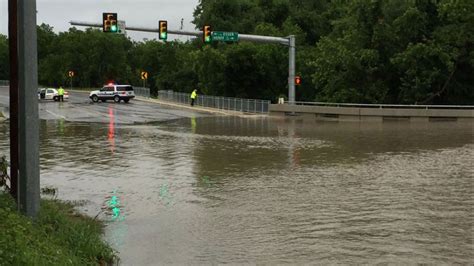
x,y
194,95
60,91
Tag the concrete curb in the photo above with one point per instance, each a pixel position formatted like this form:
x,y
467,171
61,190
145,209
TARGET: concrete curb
x,y
333,113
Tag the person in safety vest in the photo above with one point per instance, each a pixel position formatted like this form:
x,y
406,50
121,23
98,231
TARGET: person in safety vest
x,y
193,96
61,94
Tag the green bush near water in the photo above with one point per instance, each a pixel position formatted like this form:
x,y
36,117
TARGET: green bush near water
x,y
59,236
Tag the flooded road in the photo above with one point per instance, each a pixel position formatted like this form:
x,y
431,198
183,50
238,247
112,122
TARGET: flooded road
x,y
202,190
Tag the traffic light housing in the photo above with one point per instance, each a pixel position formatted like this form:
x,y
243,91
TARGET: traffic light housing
x,y
207,34
297,80
109,22
163,25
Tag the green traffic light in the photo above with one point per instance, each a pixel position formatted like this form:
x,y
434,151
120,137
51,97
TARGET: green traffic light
x,y
164,36
113,28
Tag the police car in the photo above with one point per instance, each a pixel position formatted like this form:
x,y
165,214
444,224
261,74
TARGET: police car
x,y
113,92
51,94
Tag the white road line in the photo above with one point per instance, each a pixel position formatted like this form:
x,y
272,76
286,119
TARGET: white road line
x,y
56,115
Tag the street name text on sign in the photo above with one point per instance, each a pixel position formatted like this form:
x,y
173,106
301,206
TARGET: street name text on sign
x,y
225,36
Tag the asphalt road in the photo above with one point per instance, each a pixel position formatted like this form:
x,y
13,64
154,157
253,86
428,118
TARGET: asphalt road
x,y
79,108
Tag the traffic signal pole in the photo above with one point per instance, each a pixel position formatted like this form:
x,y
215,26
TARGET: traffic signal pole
x,y
291,74
289,41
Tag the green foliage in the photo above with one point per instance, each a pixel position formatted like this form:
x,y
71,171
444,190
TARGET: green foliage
x,y
4,58
377,51
411,52
59,236
94,56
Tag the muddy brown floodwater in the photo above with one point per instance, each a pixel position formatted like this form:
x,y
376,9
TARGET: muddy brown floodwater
x,y
231,190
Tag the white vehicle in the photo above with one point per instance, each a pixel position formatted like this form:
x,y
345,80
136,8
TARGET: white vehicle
x,y
113,92
51,94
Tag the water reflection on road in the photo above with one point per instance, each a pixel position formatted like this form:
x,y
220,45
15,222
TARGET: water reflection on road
x,y
229,190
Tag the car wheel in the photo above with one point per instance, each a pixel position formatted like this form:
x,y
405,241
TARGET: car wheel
x,y
126,100
55,98
116,99
95,98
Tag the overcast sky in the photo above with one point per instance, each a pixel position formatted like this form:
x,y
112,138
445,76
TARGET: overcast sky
x,y
146,13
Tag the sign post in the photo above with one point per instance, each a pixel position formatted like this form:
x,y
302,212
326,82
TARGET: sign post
x,y
70,74
144,76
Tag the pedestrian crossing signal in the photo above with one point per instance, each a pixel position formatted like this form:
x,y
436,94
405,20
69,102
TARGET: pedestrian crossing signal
x,y
109,22
163,30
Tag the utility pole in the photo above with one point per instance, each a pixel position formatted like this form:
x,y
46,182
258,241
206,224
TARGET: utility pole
x,y
29,192
13,94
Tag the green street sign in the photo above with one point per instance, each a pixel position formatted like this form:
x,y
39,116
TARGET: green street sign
x,y
224,36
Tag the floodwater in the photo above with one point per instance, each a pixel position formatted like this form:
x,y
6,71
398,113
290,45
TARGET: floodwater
x,y
212,190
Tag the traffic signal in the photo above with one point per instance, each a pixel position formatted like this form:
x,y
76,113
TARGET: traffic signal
x,y
206,34
109,22
297,80
163,30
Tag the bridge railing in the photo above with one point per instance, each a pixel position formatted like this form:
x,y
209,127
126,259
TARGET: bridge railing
x,y
141,91
217,102
385,106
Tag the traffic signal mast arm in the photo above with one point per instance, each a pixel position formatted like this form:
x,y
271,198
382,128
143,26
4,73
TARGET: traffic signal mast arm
x,y
289,41
242,37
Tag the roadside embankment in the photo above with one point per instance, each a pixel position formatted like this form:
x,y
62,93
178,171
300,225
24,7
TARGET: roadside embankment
x,y
59,236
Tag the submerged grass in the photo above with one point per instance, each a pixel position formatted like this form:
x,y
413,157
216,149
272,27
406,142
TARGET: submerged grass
x,y
59,236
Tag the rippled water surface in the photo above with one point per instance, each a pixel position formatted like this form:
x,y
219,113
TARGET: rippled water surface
x,y
231,190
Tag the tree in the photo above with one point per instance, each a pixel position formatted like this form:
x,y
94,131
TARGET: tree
x,y
4,58
407,51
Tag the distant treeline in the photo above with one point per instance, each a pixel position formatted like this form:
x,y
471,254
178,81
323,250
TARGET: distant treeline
x,y
363,51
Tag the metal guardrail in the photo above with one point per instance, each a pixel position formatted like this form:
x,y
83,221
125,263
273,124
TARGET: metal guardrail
x,y
382,106
4,83
223,103
141,91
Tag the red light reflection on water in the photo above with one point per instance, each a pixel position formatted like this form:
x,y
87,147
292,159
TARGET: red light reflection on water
x,y
111,135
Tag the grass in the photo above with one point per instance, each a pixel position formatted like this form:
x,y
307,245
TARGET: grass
x,y
59,236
